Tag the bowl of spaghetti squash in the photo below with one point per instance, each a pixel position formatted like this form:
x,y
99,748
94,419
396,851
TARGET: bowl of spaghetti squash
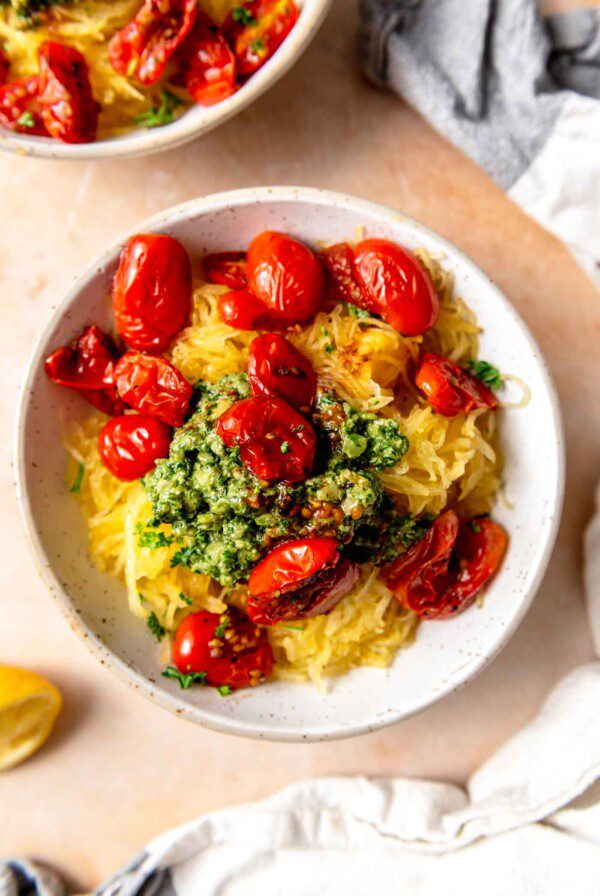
x,y
297,513
111,78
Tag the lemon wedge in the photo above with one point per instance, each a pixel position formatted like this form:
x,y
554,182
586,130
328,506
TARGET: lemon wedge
x,y
29,706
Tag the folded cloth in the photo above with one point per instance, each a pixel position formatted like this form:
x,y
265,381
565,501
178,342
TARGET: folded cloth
x,y
527,823
519,95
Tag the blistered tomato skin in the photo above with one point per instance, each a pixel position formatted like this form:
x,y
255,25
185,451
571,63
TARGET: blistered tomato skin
x,y
144,46
396,286
239,308
340,275
449,389
19,109
153,386
88,367
299,579
207,64
276,367
286,276
130,445
152,291
480,548
256,41
276,443
207,642
226,269
68,108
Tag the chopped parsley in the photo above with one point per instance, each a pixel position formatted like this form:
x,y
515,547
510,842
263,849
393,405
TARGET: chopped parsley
x,y
220,629
355,311
285,447
26,120
185,679
257,46
76,487
185,598
156,629
142,597
242,15
149,537
487,373
161,114
475,526
224,690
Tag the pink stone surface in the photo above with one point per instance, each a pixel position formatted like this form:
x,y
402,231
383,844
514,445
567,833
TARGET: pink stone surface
x,y
118,769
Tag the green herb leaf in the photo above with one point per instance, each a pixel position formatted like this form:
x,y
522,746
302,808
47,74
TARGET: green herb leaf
x,y
148,537
224,690
142,597
294,628
76,487
185,679
475,526
487,373
284,447
185,598
256,46
162,114
242,15
26,120
156,629
355,311
220,629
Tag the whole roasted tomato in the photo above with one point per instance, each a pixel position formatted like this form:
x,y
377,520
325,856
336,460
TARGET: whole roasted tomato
x,y
285,275
144,46
276,367
395,285
153,386
207,64
241,309
226,269
275,442
228,648
130,445
443,572
449,389
88,367
69,110
257,29
152,291
298,579
19,107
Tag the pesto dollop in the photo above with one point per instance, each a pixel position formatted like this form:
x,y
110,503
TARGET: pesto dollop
x,y
225,518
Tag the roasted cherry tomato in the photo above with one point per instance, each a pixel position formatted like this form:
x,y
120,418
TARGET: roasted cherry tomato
x,y
340,275
69,110
19,108
275,442
207,64
285,275
152,291
396,286
443,572
144,46
229,648
449,389
153,386
88,366
4,66
241,309
130,445
259,30
275,367
298,579
226,269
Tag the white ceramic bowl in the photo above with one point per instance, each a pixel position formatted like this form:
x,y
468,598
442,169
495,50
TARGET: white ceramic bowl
x,y
196,120
447,653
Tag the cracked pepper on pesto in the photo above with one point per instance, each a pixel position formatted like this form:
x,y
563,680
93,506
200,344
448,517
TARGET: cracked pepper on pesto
x,y
225,517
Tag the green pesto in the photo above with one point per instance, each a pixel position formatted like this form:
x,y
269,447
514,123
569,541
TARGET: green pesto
x,y
223,516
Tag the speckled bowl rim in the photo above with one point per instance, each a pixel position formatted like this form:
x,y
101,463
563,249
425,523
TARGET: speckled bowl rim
x,y
194,122
173,702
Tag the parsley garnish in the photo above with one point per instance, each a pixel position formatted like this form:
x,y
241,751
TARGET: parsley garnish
x,y
142,597
487,373
156,629
26,120
159,115
242,15
149,537
256,46
285,447
76,487
185,598
220,629
355,311
224,690
185,679
475,526
298,428
295,628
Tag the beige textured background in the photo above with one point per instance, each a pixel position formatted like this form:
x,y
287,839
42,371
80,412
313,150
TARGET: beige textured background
x,y
119,770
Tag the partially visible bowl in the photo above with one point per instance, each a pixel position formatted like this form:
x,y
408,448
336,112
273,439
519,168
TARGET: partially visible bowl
x,y
196,120
446,654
